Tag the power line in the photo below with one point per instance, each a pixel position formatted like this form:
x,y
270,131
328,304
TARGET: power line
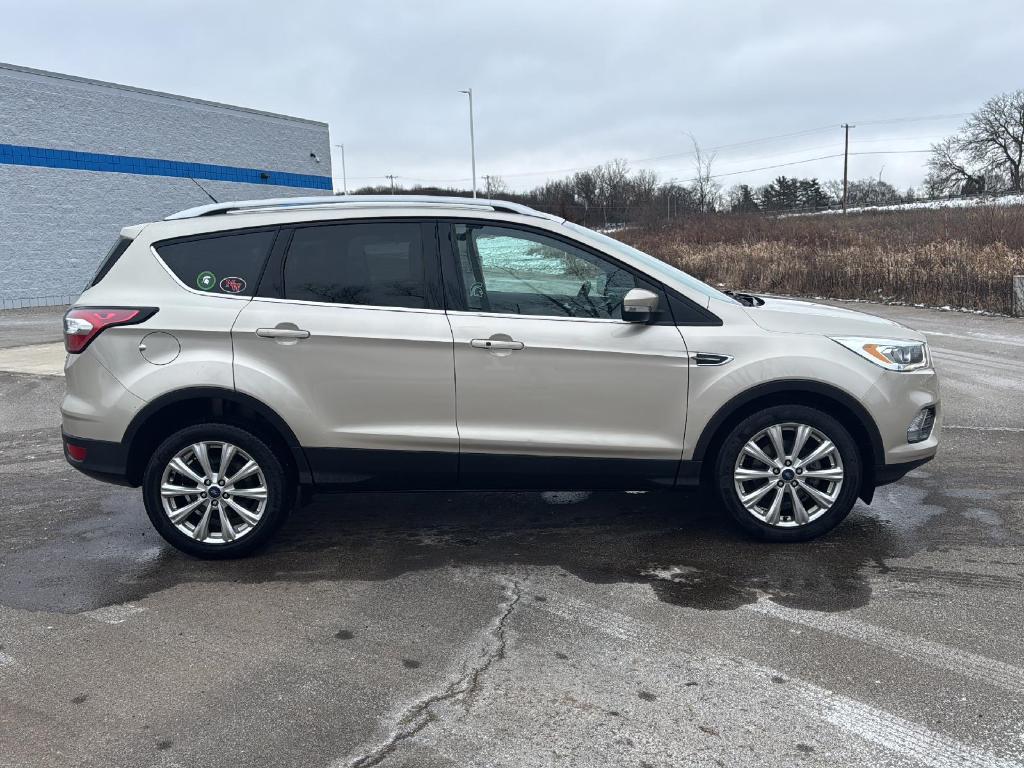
x,y
803,161
690,153
810,160
820,147
720,147
892,152
925,118
715,175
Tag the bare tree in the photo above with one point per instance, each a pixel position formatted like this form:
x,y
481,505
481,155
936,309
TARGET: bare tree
x,y
612,189
707,193
644,186
949,169
586,189
495,186
987,153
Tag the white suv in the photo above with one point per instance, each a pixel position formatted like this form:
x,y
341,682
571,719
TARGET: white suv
x,y
231,353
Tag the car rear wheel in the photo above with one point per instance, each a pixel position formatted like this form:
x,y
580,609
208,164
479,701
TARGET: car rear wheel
x,y
788,473
215,491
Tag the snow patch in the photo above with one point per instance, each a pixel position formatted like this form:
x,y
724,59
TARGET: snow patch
x,y
953,202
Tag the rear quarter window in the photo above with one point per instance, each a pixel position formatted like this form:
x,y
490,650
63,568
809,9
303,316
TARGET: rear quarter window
x,y
115,252
229,264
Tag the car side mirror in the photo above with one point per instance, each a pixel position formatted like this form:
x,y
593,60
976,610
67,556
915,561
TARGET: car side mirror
x,y
639,305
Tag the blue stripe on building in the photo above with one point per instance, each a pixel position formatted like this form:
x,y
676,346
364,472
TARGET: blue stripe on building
x,y
40,157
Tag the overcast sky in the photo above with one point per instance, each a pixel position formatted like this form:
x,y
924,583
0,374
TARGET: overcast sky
x,y
559,85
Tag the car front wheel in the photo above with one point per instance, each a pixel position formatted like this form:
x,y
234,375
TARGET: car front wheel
x,y
215,491
788,473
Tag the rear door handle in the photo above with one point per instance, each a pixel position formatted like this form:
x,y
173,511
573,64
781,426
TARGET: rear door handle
x,y
282,333
496,344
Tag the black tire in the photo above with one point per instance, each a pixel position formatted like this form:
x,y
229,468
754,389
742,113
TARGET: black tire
x,y
746,430
279,491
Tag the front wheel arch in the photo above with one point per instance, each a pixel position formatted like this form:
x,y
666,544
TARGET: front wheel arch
x,y
824,397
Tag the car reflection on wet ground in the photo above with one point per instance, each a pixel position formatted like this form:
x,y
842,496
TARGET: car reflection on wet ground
x,y
528,629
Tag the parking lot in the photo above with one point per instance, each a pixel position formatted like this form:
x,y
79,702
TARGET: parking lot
x,y
488,629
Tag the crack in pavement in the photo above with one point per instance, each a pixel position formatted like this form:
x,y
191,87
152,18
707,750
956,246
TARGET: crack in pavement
x,y
421,713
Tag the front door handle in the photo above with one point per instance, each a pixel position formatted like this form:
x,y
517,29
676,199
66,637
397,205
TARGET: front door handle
x,y
282,333
496,344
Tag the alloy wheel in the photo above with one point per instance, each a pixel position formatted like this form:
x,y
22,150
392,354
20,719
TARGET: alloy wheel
x,y
213,492
788,475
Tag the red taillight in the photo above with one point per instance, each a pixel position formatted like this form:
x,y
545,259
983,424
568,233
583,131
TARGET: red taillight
x,y
83,324
76,452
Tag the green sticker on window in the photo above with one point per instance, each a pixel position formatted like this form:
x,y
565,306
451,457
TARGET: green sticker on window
x,y
206,280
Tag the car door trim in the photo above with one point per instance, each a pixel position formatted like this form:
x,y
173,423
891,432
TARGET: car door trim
x,y
367,469
512,316
303,302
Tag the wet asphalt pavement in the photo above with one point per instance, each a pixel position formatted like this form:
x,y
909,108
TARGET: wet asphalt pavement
x,y
526,629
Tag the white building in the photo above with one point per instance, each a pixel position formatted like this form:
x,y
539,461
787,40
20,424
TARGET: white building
x,y
81,158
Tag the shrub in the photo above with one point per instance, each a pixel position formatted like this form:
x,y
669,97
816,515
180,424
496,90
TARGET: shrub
x,y
955,257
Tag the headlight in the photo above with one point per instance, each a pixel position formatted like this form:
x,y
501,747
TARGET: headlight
x,y
891,354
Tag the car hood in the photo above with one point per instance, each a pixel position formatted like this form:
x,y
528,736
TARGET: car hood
x,y
791,316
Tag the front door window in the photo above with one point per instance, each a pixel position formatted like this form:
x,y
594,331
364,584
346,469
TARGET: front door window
x,y
512,271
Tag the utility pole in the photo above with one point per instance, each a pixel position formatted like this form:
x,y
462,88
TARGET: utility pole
x,y
391,178
846,163
472,138
344,178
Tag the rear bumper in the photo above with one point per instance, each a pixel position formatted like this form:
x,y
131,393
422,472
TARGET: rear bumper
x,y
102,460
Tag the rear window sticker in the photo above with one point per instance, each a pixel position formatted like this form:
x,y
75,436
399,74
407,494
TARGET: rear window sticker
x,y
232,285
206,280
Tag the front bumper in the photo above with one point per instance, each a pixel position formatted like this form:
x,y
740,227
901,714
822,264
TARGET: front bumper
x,y
893,402
890,473
99,459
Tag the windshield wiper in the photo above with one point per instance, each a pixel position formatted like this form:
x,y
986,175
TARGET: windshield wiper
x,y
746,299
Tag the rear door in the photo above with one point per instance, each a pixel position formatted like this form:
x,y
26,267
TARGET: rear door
x,y
555,390
348,341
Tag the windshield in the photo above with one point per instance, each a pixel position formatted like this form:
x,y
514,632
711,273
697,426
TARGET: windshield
x,y
656,266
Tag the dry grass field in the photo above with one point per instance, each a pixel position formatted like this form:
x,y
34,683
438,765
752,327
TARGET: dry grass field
x,y
957,257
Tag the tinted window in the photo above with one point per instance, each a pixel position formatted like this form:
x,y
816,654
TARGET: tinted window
x,y
118,248
229,264
511,271
378,264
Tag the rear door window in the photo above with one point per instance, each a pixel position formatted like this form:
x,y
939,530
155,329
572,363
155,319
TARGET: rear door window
x,y
228,264
378,264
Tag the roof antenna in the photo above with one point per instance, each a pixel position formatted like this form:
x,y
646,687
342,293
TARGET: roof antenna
x,y
205,190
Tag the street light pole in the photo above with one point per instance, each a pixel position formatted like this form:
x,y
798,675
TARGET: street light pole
x,y
472,137
344,179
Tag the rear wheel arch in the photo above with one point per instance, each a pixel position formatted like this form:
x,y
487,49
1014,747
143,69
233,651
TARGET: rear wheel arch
x,y
196,405
837,403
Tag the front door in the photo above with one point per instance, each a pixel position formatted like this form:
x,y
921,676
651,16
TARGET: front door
x,y
352,348
554,389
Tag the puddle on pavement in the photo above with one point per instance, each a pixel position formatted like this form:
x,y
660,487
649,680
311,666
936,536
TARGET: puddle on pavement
x,y
679,544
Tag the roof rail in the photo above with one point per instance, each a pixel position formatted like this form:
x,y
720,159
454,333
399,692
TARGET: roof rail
x,y
356,201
